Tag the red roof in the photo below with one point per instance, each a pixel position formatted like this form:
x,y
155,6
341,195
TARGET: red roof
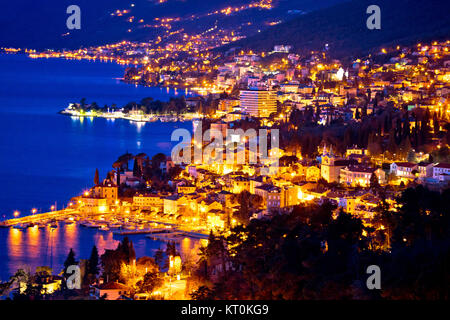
x,y
405,164
443,165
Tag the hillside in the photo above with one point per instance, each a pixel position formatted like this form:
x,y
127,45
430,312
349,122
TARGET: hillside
x,y
343,27
42,24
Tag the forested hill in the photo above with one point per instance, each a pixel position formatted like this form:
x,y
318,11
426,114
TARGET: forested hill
x,y
343,27
42,24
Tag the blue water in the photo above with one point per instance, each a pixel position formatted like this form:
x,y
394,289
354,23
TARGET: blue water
x,y
46,157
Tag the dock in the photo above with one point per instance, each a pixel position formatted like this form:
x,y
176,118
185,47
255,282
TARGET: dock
x,y
142,231
37,217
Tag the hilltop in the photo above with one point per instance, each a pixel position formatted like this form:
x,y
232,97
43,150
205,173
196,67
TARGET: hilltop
x,y
42,24
343,28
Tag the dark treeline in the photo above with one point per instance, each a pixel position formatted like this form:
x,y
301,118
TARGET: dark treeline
x,y
389,131
316,256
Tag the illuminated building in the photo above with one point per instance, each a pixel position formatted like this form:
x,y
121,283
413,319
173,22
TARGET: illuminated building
x,y
258,103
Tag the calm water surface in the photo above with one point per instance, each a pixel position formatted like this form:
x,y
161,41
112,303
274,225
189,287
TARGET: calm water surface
x,y
46,157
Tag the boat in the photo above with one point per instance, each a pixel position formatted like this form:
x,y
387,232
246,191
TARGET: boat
x,y
104,228
129,226
54,225
19,226
92,225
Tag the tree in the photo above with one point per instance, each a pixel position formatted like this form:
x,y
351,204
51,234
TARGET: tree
x,y
96,178
435,124
171,249
202,293
93,262
136,169
392,146
150,282
247,202
70,261
112,260
374,183
159,257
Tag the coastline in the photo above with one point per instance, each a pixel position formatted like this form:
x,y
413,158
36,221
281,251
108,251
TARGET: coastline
x,y
133,118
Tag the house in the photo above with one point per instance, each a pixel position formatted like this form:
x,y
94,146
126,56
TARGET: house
x,y
403,169
171,203
148,201
425,169
240,184
271,195
107,190
166,165
186,188
441,171
356,175
111,290
312,173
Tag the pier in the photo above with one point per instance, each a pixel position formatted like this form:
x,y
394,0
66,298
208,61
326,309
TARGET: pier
x,y
38,217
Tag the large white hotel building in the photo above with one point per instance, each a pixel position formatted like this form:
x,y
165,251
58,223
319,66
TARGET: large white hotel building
x,y
258,103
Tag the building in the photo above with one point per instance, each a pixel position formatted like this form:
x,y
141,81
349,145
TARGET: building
x,y
356,175
271,195
441,171
403,169
425,169
312,173
258,103
331,166
111,290
228,105
148,201
108,191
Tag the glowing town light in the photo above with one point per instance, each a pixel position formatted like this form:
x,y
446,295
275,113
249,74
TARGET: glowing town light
x,y
340,74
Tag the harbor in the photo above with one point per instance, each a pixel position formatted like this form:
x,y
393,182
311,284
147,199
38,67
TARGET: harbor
x,y
118,225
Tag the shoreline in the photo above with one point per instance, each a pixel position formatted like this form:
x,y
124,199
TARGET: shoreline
x,y
133,118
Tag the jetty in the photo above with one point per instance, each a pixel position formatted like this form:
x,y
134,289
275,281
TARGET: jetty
x,y
142,231
38,217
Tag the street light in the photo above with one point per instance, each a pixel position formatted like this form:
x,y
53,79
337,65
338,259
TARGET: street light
x,y
16,213
33,211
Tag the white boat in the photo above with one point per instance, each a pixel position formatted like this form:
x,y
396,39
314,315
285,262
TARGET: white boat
x,y
92,225
129,226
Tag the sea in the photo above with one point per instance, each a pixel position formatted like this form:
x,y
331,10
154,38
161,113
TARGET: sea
x,y
47,158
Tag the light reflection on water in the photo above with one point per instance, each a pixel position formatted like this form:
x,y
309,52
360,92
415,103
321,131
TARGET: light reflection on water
x,y
36,247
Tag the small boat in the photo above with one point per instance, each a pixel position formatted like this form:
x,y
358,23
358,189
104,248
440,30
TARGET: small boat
x,y
104,228
19,227
129,227
92,225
